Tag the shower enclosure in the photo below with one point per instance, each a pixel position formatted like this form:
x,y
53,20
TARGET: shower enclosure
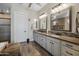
x,y
4,30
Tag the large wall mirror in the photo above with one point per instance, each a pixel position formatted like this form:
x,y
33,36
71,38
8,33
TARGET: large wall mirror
x,y
61,21
43,23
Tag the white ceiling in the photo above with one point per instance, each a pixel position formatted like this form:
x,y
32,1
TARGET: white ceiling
x,y
34,6
37,7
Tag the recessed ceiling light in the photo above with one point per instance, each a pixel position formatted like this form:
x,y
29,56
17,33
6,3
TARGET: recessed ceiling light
x,y
60,8
43,16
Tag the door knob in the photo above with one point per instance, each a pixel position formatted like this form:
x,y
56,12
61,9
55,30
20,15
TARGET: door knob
x,y
24,31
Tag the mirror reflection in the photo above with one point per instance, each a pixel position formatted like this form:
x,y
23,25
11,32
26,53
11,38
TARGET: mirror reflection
x,y
61,20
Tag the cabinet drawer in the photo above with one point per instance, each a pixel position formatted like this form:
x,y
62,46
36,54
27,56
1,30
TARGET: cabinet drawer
x,y
70,45
69,52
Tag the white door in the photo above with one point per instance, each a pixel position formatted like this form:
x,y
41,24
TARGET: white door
x,y
20,26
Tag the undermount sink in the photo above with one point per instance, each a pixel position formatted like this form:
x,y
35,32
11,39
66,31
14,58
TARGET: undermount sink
x,y
71,35
58,33
42,30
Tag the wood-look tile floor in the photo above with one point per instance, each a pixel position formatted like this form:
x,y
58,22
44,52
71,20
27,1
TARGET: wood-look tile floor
x,y
32,49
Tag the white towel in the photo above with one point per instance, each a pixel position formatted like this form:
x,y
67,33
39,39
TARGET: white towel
x,y
2,45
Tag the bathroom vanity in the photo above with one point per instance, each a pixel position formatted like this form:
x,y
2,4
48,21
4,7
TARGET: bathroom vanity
x,y
57,45
59,40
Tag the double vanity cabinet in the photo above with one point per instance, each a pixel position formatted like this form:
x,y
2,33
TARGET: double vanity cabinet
x,y
55,46
52,45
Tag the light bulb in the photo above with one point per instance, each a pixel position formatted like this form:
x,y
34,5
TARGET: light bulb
x,y
35,20
42,16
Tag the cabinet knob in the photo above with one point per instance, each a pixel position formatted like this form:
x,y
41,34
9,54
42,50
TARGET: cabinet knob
x,y
67,45
52,43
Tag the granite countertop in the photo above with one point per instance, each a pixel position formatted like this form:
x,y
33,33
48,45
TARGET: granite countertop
x,y
61,37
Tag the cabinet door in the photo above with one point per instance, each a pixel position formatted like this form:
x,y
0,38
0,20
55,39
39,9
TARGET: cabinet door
x,y
38,40
52,48
34,36
48,45
43,41
56,48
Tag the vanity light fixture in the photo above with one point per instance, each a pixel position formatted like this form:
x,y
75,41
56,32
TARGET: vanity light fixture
x,y
68,21
65,6
35,20
42,16
7,11
59,8
54,23
55,10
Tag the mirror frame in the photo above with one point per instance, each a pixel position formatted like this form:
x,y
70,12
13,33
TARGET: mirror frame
x,y
70,19
77,25
46,24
